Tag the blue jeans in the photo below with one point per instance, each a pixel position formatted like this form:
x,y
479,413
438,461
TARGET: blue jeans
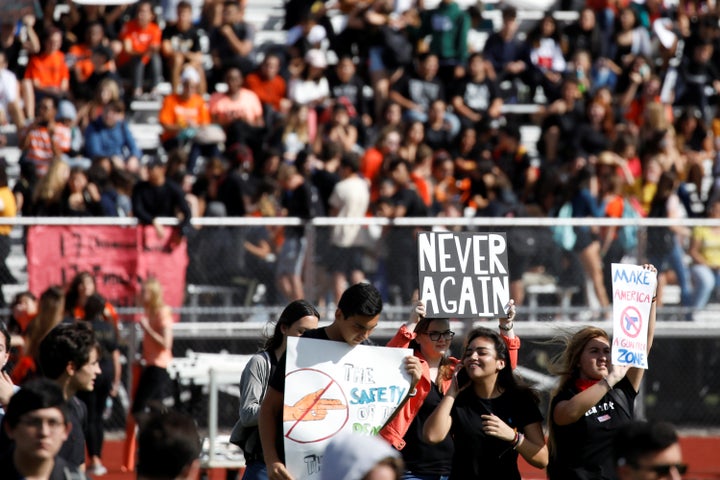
x,y
255,471
705,280
412,476
673,260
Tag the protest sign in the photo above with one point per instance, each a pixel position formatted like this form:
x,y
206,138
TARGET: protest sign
x,y
633,291
463,275
331,387
119,258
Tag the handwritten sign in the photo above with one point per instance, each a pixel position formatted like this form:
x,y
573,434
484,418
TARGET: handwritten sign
x,y
119,258
633,290
463,275
332,387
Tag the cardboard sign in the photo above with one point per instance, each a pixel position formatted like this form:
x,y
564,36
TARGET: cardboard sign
x,y
463,275
633,290
119,258
331,387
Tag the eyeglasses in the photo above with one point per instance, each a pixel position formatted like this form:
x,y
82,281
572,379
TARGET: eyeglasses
x,y
37,422
435,336
663,470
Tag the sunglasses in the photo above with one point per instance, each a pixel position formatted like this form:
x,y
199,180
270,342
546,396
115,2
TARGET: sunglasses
x,y
435,336
663,470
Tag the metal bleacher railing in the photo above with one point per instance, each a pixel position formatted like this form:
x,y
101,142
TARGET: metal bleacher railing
x,y
230,320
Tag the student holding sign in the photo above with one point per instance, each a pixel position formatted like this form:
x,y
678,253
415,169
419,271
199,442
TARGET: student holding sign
x,y
298,317
592,401
490,417
430,339
356,317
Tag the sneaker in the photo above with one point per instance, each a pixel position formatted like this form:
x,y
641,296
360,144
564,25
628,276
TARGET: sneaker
x,y
98,470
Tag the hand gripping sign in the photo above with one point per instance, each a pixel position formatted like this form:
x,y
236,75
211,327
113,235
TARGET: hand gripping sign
x,y
633,292
331,387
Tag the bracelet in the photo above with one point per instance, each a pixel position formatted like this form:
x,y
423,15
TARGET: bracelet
x,y
604,379
507,327
519,440
515,438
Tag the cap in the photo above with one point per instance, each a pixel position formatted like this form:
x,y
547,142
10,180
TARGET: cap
x,y
316,58
351,456
66,111
189,74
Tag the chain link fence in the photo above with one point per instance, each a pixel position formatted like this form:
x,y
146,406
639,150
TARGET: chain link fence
x,y
232,290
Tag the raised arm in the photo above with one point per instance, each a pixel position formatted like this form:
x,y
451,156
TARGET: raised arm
x,y
507,332
635,375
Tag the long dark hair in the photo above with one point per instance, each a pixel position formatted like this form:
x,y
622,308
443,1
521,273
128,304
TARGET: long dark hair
x,y
291,314
506,380
73,294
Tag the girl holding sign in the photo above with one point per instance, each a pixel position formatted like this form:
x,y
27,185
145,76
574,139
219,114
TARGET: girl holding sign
x,y
430,338
489,416
297,317
592,401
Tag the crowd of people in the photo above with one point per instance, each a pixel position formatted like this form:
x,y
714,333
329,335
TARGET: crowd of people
x,y
411,119
70,335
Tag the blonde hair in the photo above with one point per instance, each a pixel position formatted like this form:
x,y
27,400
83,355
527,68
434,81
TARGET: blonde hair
x,y
566,365
154,302
50,187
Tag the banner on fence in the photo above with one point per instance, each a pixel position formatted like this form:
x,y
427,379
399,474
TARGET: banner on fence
x,y
331,387
633,290
463,275
119,258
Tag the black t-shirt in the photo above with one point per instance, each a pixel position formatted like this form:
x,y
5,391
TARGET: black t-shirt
x,y
583,450
423,458
298,204
477,96
187,41
73,450
420,91
479,456
352,91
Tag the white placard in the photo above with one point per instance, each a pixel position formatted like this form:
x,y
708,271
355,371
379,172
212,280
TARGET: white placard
x,y
633,290
331,387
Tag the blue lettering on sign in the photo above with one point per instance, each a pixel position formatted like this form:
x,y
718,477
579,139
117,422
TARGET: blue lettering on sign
x,y
634,277
628,357
391,394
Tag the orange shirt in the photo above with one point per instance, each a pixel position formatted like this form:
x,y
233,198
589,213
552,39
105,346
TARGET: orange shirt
x,y
40,151
153,353
109,313
422,187
183,112
48,70
140,38
269,91
83,65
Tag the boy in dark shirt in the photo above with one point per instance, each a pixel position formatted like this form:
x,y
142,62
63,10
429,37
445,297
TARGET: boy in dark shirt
x,y
356,317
